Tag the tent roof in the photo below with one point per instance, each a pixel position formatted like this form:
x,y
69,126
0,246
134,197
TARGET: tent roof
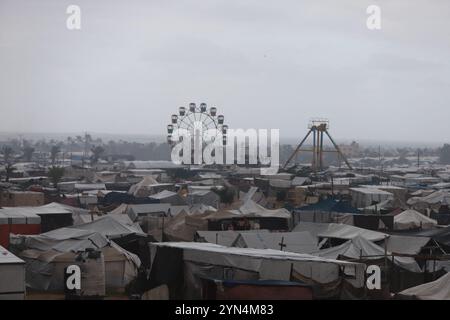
x,y
224,238
410,219
250,209
406,244
164,194
249,252
65,240
359,247
435,290
7,257
113,227
339,231
32,211
330,205
300,242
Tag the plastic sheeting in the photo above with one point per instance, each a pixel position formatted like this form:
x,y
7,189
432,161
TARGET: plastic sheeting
x,y
142,189
360,248
339,231
49,253
411,219
113,226
299,242
405,244
270,264
435,290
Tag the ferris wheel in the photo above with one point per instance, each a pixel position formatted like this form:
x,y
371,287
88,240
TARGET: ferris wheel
x,y
196,120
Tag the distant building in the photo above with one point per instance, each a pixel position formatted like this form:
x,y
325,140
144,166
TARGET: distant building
x,y
21,198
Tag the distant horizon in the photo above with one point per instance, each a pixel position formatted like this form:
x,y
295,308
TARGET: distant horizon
x,y
153,137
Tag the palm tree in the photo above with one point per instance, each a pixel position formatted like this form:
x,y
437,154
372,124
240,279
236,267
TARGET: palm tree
x,y
8,153
9,169
28,153
53,153
96,153
55,174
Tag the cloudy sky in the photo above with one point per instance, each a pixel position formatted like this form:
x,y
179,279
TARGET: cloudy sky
x,y
264,64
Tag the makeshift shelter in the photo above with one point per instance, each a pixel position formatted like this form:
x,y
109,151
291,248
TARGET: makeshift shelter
x,y
13,198
206,197
182,265
79,215
434,200
48,254
113,227
169,197
405,244
250,216
147,186
360,248
223,238
12,276
299,242
184,226
411,219
364,197
201,208
440,235
53,216
323,211
136,211
18,222
339,231
120,229
435,290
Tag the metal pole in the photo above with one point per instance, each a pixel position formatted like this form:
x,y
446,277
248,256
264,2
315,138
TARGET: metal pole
x,y
297,149
339,150
321,150
314,150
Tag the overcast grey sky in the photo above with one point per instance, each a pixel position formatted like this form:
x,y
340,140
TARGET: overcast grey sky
x,y
264,64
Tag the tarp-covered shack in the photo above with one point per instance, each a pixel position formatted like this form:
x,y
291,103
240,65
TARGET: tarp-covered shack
x,y
182,266
12,276
48,254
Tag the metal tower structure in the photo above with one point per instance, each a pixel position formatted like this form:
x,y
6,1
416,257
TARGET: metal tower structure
x,y
318,128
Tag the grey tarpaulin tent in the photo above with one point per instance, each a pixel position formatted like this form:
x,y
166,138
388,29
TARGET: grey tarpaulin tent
x,y
200,259
49,253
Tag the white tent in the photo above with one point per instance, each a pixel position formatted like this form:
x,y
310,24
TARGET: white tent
x,y
49,253
411,219
360,248
251,208
79,215
435,290
339,231
143,188
113,226
268,264
12,276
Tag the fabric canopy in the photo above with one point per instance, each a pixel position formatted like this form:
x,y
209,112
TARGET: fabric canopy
x,y
435,290
251,209
299,242
339,231
411,219
360,248
113,226
269,264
